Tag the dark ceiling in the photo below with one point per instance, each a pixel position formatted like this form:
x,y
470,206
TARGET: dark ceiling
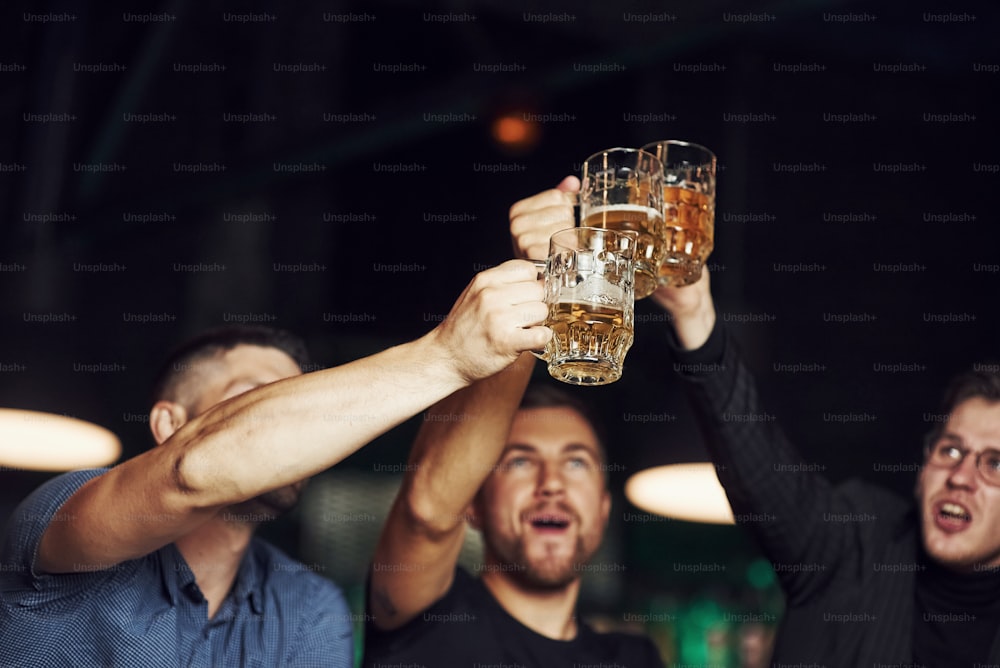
x,y
856,252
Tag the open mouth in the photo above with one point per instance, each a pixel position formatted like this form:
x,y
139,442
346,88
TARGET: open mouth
x,y
549,522
952,516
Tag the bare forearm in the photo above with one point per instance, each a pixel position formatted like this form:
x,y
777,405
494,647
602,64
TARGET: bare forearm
x,y
459,443
273,436
295,428
284,432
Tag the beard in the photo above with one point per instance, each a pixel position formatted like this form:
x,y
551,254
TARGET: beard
x,y
267,506
549,572
544,571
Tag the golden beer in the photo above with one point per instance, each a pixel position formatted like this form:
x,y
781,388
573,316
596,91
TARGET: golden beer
x,y
688,222
588,343
648,223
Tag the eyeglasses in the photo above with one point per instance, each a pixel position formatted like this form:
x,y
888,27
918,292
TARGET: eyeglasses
x,y
945,454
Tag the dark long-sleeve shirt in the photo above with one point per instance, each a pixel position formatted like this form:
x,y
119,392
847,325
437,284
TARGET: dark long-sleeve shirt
x,y
847,556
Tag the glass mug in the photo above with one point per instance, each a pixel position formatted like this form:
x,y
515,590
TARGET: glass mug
x,y
590,292
622,189
688,209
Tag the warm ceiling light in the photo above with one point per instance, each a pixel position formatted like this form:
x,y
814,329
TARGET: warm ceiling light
x,y
49,442
514,131
683,491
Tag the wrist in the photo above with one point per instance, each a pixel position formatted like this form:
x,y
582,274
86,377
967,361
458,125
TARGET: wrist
x,y
440,366
694,328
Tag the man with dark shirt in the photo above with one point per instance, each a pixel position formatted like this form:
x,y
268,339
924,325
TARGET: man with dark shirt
x,y
915,584
531,478
919,584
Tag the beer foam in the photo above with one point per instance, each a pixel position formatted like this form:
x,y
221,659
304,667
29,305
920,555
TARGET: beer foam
x,y
638,208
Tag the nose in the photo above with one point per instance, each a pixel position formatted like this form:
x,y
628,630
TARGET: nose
x,y
964,474
550,482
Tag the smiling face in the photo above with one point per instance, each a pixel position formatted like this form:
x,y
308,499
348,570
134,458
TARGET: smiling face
x,y
544,508
960,512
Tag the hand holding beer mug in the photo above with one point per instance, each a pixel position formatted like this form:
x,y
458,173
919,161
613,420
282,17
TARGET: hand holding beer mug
x,y
589,288
688,209
622,190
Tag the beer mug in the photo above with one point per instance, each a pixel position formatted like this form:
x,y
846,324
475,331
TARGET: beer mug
x,y
688,209
590,291
622,189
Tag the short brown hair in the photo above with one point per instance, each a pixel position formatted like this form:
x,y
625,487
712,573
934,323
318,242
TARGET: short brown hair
x,y
214,341
544,395
980,382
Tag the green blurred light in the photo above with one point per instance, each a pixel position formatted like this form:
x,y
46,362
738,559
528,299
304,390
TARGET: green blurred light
x,y
760,575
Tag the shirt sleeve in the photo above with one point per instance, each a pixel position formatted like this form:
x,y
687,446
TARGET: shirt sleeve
x,y
380,644
29,522
782,500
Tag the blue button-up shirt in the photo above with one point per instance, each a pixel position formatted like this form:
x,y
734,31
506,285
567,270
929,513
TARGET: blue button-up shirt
x,y
149,612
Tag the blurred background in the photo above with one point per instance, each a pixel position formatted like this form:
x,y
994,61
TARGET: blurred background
x,y
343,170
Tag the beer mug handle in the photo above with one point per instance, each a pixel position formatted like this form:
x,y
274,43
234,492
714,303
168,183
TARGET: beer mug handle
x,y
540,265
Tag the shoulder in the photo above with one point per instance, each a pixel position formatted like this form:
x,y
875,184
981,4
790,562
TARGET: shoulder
x,y
54,492
864,495
432,632
39,509
878,515
466,597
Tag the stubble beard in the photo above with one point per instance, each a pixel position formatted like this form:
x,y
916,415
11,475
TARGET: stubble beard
x,y
268,506
548,574
544,572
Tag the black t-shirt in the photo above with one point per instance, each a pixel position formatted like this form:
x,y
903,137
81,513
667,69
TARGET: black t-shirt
x,y
467,628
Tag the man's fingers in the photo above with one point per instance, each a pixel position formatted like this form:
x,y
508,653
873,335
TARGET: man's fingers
x,y
533,338
558,214
561,195
570,184
531,314
511,271
515,271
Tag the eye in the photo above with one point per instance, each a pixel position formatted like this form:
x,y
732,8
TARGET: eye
x,y
578,463
991,461
516,463
948,452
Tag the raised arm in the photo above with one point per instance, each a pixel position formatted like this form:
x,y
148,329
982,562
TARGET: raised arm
x,y
691,309
784,501
283,432
459,443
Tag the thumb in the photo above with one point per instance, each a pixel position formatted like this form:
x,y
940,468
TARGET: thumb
x,y
570,184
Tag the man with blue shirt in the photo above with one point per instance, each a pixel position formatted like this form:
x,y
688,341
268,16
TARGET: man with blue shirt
x,y
154,562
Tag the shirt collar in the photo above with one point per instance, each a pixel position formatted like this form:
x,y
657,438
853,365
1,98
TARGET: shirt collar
x,y
249,581
176,576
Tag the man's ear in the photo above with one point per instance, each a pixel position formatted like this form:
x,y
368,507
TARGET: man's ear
x,y
166,417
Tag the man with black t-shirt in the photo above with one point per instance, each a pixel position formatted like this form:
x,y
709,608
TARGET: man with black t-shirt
x,y
870,578
531,478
